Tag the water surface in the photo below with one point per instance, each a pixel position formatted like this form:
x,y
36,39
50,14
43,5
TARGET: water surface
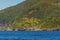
x,y
29,35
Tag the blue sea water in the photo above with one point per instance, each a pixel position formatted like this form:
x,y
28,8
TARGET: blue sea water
x,y
29,35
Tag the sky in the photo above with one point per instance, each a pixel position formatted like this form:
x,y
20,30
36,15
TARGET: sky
x,y
7,3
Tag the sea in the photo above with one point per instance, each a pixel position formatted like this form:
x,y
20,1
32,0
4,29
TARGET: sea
x,y
30,35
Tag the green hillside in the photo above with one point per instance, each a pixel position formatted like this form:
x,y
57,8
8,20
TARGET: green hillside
x,y
32,14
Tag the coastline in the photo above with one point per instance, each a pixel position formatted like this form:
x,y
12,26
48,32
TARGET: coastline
x,y
33,30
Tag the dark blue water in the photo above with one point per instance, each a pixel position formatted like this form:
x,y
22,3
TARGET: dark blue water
x,y
29,35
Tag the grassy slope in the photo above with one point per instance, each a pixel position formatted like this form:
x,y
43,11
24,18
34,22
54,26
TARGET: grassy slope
x,y
39,14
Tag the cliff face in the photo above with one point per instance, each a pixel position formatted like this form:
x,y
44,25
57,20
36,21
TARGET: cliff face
x,y
36,14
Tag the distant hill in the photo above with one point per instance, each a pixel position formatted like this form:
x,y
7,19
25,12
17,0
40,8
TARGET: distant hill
x,y
32,14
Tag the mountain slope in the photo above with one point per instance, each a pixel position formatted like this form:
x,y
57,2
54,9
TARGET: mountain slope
x,y
35,14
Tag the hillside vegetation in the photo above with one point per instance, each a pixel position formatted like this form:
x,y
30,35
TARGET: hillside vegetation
x,y
32,14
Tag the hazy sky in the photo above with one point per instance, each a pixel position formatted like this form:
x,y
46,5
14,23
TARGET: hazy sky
x,y
7,3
